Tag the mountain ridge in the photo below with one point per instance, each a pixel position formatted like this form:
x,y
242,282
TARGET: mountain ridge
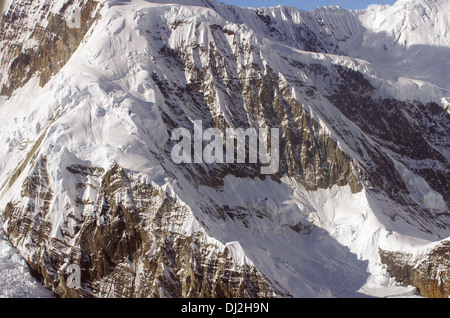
x,y
363,163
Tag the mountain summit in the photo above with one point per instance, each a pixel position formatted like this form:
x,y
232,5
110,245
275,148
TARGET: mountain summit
x,y
102,197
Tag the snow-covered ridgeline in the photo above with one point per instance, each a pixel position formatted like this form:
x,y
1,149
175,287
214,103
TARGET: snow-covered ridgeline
x,y
15,278
106,89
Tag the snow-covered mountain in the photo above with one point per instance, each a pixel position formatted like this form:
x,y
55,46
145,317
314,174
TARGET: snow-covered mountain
x,y
91,198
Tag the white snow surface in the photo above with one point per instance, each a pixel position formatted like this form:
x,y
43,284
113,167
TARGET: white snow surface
x,y
408,43
15,278
106,89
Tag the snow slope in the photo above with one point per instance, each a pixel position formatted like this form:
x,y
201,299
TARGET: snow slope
x,y
16,280
107,89
408,41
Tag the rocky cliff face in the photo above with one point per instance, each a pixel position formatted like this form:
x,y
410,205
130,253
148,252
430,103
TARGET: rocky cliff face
x,y
52,42
429,272
132,243
93,200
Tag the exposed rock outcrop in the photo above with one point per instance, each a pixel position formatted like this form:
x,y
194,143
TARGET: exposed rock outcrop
x,y
429,273
132,243
54,42
98,208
